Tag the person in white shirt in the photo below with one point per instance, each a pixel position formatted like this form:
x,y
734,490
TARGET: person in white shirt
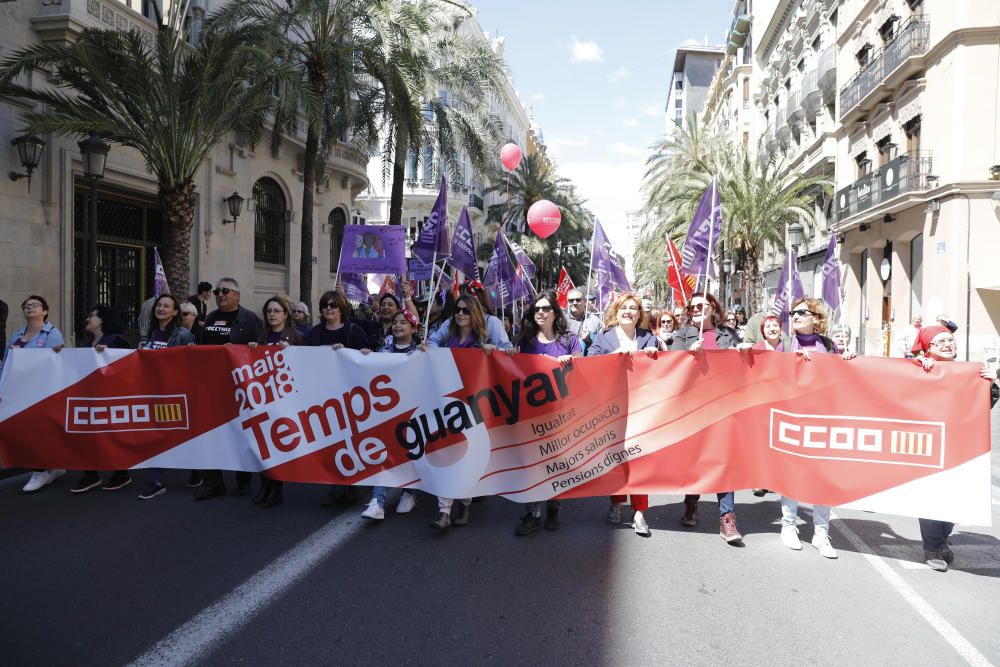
x,y
903,344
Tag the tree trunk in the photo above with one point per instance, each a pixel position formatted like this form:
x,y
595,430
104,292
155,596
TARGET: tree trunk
x,y
308,193
178,216
398,177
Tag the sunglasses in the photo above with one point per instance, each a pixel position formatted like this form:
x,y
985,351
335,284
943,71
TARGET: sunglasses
x,y
696,307
543,309
574,300
666,321
462,310
329,305
802,312
222,290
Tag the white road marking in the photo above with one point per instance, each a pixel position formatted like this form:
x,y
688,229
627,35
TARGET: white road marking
x,y
947,631
210,627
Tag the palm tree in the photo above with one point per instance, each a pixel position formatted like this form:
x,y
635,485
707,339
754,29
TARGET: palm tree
x,y
535,179
171,102
412,74
322,42
759,200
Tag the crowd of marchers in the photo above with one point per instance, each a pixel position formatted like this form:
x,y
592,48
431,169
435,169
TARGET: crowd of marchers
x,y
465,319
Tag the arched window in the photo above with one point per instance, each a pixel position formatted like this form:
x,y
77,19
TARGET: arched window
x,y
337,222
270,241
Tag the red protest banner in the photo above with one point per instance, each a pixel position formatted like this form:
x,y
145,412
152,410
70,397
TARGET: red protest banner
x,y
458,423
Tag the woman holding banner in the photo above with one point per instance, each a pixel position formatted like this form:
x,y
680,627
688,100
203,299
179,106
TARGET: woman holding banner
x,y
808,323
279,331
622,334
165,330
337,331
466,329
37,333
544,330
937,344
494,325
705,331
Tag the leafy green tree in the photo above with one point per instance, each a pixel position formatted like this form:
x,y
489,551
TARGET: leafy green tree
x,y
759,200
171,102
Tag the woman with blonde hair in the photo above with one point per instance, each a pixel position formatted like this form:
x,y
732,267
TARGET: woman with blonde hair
x,y
624,334
807,323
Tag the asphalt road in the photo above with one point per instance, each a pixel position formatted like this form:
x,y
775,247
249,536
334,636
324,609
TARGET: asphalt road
x,y
107,579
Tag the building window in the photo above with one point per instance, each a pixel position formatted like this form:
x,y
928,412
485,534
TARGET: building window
x,y
678,103
746,91
864,55
864,165
916,8
679,84
916,273
270,242
356,219
746,138
912,130
887,31
886,149
337,222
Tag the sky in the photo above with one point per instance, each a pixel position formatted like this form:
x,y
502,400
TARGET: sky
x,y
595,76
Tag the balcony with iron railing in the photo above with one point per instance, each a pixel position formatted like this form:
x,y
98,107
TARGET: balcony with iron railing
x,y
784,130
794,108
906,173
476,201
912,40
826,71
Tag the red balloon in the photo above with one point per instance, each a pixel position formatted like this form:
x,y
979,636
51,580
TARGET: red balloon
x,y
544,218
510,156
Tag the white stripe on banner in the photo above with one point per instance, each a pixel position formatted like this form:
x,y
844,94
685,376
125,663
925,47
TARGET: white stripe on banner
x,y
196,639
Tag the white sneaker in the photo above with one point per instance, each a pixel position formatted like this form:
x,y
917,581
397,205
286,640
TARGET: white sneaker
x,y
38,480
407,501
790,537
822,542
374,511
639,524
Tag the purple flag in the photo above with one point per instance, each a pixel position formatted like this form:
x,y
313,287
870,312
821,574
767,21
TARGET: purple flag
x,y
373,249
355,287
608,270
523,260
433,240
831,276
463,247
782,302
707,222
502,278
160,285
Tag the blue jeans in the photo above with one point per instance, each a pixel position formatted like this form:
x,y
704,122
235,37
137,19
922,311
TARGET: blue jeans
x,y
727,501
379,493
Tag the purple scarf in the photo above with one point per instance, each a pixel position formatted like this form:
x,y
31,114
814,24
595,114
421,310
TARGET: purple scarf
x,y
808,342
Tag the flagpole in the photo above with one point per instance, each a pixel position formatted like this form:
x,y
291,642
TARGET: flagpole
x,y
590,271
708,254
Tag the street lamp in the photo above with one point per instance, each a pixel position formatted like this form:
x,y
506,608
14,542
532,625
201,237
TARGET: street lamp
x,y
94,153
29,152
235,204
794,240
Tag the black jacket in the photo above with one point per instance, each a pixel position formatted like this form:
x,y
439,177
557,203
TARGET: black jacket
x,y
684,338
246,328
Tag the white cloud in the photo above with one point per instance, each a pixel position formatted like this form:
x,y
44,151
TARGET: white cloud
x,y
538,97
625,149
652,110
630,122
691,41
585,52
618,103
619,74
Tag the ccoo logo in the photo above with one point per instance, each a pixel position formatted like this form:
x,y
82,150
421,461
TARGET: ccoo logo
x,y
127,413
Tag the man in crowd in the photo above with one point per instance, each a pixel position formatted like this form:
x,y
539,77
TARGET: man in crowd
x,y
229,323
200,301
903,345
580,323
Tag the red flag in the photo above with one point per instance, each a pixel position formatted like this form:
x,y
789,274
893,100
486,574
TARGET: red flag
x,y
563,287
682,284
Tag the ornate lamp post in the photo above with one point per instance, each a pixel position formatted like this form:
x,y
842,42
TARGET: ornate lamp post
x,y
95,157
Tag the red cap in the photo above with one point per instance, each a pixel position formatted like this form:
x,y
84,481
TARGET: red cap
x,y
926,335
411,317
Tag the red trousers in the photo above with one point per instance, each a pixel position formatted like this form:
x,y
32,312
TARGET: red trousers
x,y
639,503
